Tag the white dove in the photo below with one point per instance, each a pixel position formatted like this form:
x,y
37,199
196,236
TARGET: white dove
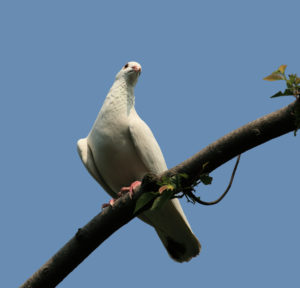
x,y
121,149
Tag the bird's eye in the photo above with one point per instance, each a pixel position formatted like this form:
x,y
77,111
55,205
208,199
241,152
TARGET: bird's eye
x,y
126,66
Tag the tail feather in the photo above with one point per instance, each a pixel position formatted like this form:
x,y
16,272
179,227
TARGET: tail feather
x,y
181,251
174,231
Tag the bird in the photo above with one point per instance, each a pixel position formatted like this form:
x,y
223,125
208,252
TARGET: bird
x,y
120,149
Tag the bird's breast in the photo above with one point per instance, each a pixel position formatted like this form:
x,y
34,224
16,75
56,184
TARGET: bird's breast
x,y
115,155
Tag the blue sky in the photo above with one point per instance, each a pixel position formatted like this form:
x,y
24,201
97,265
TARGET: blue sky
x,y
203,64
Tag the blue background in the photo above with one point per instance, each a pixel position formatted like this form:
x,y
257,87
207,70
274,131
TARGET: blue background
x,y
203,64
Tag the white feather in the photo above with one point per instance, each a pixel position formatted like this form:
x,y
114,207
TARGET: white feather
x,y
121,149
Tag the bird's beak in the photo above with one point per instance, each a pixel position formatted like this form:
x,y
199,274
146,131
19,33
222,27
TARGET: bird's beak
x,y
137,69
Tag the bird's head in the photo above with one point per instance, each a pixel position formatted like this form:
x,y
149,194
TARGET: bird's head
x,y
130,73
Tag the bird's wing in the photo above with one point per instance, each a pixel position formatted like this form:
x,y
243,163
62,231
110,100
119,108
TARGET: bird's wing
x,y
87,159
149,151
146,145
170,221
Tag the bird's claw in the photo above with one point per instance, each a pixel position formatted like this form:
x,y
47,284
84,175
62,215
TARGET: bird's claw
x,y
110,203
130,189
124,190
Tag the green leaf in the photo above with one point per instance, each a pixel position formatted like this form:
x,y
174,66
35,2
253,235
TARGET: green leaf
x,y
166,187
206,179
184,175
282,68
161,200
144,200
292,78
274,76
277,75
287,92
297,80
205,164
278,94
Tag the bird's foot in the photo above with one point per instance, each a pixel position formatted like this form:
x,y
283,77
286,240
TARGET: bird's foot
x,y
110,203
124,190
129,189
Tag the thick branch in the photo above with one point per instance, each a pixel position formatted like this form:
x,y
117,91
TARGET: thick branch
x,y
86,240
111,219
238,141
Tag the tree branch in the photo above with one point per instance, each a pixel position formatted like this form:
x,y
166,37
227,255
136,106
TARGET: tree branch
x,y
88,238
238,141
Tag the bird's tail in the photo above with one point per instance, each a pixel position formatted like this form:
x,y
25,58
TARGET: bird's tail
x,y
174,231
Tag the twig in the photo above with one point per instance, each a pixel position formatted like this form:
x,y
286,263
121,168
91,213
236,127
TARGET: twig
x,y
198,200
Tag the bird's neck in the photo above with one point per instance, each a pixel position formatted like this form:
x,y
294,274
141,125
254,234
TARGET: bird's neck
x,y
121,95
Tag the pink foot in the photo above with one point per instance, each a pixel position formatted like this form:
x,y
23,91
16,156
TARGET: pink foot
x,y
130,189
123,191
111,203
